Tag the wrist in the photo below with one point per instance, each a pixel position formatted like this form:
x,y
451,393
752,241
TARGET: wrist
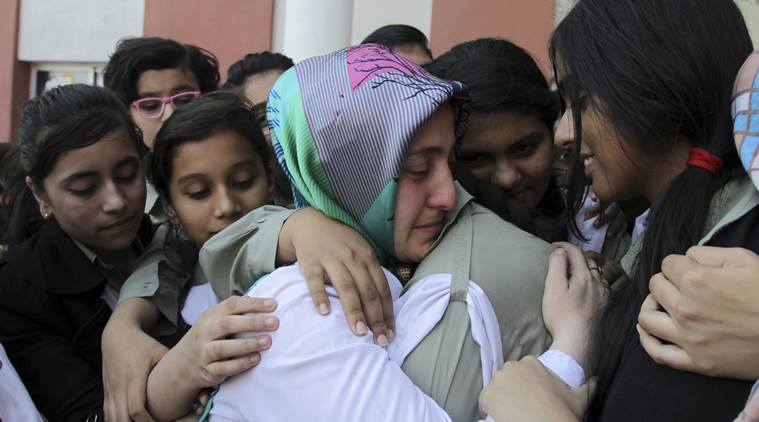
x,y
575,347
285,243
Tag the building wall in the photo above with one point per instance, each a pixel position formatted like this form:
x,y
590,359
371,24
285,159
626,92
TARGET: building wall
x,y
231,31
305,28
49,32
750,10
527,23
14,74
369,15
562,8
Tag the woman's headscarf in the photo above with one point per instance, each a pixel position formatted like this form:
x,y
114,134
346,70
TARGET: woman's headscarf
x,y
746,115
341,126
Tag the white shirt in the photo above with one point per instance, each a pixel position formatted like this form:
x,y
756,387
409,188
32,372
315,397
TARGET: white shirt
x,y
317,370
15,403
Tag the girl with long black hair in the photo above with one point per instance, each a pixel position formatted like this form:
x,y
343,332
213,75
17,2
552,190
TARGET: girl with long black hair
x,y
648,86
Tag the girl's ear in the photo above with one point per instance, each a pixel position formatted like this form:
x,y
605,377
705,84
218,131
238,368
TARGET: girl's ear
x,y
171,212
39,195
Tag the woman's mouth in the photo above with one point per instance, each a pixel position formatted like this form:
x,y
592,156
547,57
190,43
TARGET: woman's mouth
x,y
431,229
119,225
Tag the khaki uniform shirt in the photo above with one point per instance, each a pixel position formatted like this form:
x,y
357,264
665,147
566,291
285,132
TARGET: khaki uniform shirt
x,y
167,294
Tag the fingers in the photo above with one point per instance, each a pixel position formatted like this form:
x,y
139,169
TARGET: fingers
x,y
656,322
109,406
227,325
200,402
606,214
136,399
203,398
236,305
348,294
664,292
578,265
224,369
582,397
239,347
371,303
675,268
556,277
664,354
593,211
720,257
315,281
378,276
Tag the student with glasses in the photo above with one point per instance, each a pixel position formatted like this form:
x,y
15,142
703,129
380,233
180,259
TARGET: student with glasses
x,y
153,76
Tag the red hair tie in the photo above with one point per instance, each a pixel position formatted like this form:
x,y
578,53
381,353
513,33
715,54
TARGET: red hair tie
x,y
704,159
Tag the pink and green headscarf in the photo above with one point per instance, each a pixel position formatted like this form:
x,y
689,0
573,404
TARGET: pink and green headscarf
x,y
341,126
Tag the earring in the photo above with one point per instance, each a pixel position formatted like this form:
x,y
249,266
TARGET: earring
x,y
46,215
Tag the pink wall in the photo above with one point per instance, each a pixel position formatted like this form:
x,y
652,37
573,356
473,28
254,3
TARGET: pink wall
x,y
229,28
14,75
527,23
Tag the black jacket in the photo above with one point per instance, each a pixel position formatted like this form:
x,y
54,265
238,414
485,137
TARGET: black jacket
x,y
643,390
52,319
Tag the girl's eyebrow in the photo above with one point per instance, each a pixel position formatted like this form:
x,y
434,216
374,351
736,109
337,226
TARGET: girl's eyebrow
x,y
243,163
533,136
92,173
78,176
175,90
188,177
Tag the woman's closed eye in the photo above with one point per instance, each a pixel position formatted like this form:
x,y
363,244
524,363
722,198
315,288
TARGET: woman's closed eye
x,y
417,171
83,191
417,166
197,192
243,183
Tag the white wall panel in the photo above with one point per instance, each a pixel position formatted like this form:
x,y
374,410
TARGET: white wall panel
x,y
305,28
76,30
369,15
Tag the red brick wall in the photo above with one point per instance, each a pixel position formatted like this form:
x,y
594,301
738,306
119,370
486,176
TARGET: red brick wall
x,y
228,28
527,23
14,75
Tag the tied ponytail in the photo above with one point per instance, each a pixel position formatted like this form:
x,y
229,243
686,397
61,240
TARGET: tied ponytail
x,y
635,62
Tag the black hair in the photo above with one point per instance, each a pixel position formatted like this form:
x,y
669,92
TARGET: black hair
x,y
658,71
500,76
398,36
9,165
253,64
60,120
203,117
503,77
136,55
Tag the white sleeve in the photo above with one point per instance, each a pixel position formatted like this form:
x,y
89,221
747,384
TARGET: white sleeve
x,y
199,298
564,366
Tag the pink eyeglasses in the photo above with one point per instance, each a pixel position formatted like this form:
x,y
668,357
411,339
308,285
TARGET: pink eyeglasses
x,y
153,107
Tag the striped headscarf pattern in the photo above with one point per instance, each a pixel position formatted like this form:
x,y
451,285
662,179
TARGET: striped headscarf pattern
x,y
341,126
